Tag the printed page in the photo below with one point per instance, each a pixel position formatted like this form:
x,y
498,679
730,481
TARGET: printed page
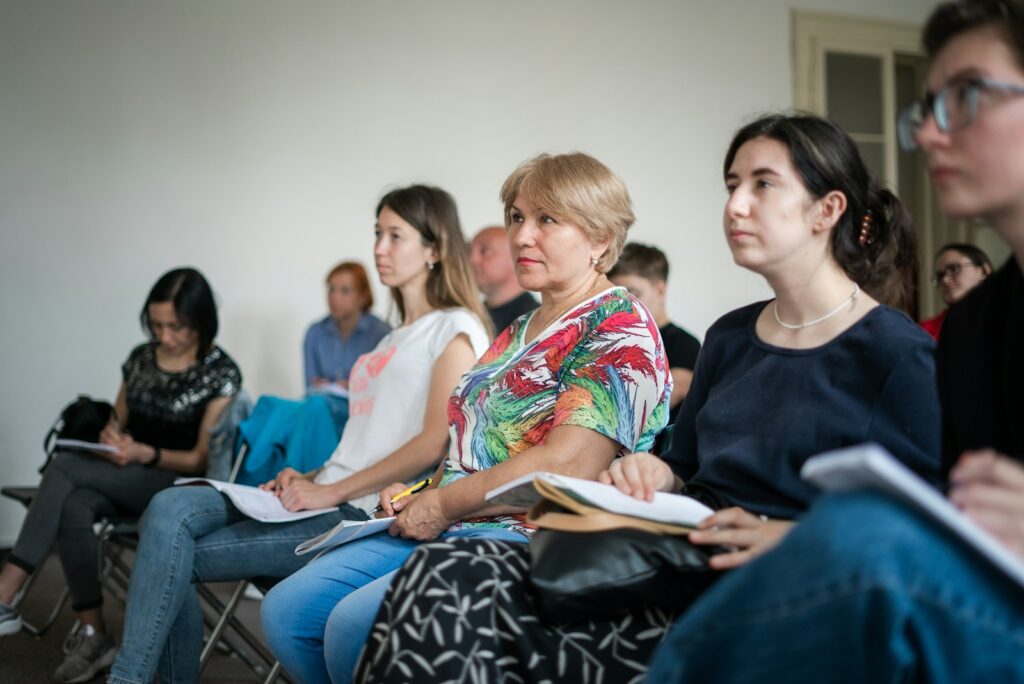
x,y
520,492
254,502
869,466
344,532
668,508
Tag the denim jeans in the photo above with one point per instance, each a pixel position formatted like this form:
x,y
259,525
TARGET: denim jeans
x,y
194,534
864,589
317,620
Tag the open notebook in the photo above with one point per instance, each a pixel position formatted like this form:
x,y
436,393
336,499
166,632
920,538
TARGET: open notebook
x,y
253,501
869,466
674,509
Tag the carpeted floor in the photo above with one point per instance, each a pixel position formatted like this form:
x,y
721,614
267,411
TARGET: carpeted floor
x,y
25,659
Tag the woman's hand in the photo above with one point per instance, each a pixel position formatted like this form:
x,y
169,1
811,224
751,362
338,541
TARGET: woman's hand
x,y
639,475
748,535
283,479
128,450
989,488
420,516
386,495
302,495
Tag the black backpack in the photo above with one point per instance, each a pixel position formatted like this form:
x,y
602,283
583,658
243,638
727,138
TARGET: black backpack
x,y
82,419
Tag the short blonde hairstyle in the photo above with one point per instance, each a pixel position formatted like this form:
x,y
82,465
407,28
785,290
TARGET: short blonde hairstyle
x,y
579,189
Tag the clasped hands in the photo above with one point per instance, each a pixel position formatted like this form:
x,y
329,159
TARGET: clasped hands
x,y
128,450
746,535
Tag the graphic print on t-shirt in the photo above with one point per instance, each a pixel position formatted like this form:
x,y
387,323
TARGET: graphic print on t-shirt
x,y
367,368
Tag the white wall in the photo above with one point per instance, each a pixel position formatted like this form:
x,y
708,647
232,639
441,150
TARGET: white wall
x,y
252,139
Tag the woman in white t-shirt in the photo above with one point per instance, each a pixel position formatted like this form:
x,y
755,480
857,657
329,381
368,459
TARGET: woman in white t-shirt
x,y
397,429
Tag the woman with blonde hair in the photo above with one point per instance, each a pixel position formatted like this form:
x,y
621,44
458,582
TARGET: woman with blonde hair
x,y
395,431
563,389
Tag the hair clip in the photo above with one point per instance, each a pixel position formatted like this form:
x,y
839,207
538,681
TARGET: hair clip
x,y
866,234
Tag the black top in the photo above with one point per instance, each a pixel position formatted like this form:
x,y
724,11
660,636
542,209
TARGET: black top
x,y
165,408
502,316
681,349
756,412
981,368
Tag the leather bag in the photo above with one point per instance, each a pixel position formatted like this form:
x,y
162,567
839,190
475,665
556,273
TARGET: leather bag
x,y
587,563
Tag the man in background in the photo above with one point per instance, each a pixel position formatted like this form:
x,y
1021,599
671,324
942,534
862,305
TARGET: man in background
x,y
643,270
495,275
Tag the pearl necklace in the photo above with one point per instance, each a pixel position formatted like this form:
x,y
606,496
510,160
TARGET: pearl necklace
x,y
852,300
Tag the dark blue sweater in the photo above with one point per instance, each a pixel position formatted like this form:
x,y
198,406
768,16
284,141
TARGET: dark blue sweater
x,y
756,412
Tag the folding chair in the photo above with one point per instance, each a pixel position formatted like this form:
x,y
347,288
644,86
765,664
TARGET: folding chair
x,y
269,666
24,496
119,534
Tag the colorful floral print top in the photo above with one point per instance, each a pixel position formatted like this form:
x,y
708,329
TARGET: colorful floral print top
x,y
600,366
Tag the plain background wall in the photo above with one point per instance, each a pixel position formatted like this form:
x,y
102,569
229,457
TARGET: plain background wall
x,y
253,138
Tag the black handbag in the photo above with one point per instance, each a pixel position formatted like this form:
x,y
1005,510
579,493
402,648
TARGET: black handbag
x,y
83,419
586,563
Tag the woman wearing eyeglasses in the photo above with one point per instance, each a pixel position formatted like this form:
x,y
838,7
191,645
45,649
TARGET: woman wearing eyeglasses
x,y
865,589
959,268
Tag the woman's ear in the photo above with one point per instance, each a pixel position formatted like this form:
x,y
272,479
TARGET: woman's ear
x,y
600,249
831,208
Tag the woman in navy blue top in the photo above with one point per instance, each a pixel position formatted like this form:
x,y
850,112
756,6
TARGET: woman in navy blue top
x,y
822,365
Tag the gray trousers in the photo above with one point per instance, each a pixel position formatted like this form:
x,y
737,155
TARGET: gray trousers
x,y
77,490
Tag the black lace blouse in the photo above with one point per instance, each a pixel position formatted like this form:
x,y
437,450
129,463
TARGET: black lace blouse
x,y
166,408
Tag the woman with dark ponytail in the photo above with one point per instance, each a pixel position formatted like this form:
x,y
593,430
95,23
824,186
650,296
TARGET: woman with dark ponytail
x,y
824,364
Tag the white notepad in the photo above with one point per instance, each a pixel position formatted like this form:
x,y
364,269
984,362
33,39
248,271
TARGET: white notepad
x,y
342,533
254,502
79,444
869,466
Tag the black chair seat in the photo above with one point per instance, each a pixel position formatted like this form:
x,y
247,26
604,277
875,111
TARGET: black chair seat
x,y
22,495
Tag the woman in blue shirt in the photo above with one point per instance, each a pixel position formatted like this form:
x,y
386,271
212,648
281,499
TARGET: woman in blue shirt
x,y
348,331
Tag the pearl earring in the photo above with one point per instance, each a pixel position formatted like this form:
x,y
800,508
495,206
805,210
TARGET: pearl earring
x,y
593,261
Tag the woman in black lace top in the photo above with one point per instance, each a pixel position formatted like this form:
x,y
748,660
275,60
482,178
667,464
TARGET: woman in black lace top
x,y
173,389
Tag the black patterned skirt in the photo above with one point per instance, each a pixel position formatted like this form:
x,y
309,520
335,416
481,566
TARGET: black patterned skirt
x,y
461,611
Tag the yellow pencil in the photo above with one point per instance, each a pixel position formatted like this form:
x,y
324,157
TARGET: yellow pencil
x,y
419,486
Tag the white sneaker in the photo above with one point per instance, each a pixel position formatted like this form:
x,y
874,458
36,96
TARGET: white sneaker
x,y
10,620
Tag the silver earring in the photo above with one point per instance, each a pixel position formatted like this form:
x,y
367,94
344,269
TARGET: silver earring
x,y
430,265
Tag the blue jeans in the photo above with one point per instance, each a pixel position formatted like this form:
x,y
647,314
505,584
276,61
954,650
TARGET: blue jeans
x,y
864,589
194,534
317,620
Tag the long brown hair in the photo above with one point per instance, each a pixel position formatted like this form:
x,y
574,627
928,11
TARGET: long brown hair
x,y
431,211
881,259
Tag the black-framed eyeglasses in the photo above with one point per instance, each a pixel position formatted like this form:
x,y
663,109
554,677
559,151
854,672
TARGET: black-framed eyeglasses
x,y
954,106
951,270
